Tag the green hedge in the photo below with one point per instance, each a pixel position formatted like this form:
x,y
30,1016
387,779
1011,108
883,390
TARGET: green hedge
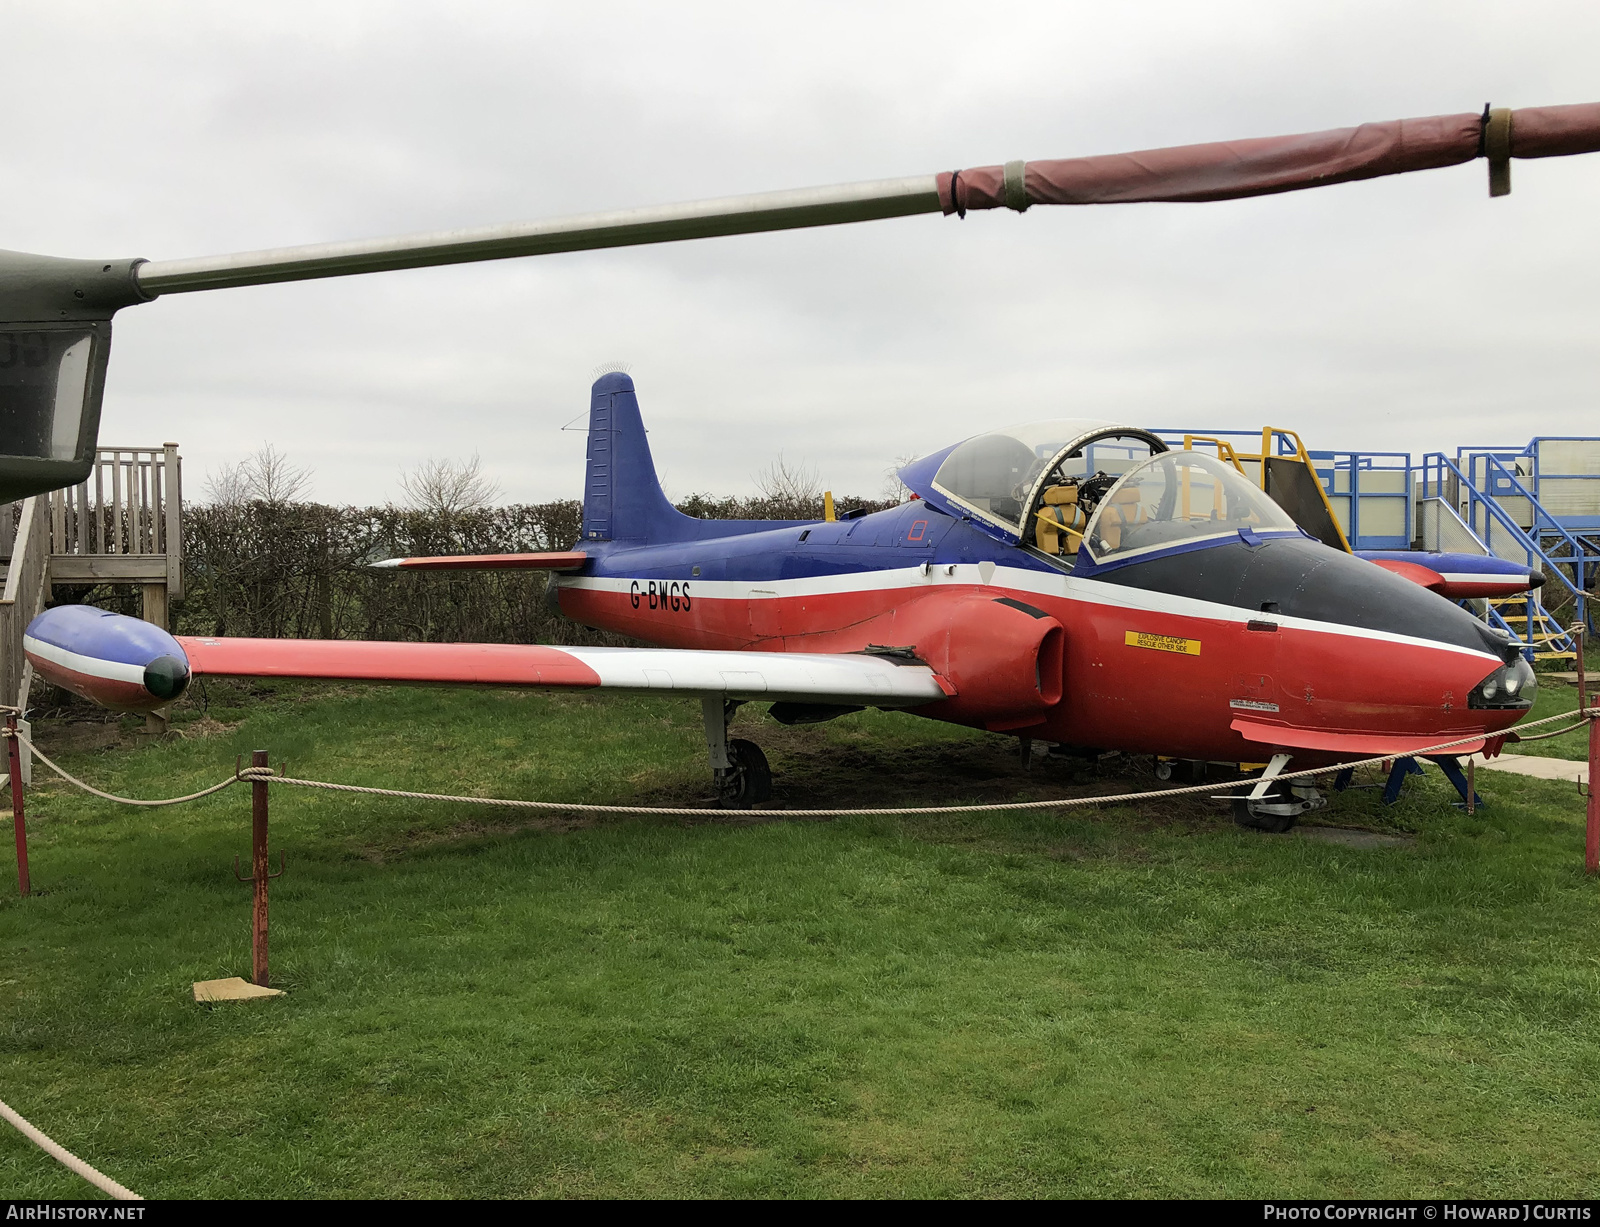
x,y
299,570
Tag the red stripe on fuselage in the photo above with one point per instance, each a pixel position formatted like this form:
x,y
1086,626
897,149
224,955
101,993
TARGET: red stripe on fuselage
x,y
1118,696
108,692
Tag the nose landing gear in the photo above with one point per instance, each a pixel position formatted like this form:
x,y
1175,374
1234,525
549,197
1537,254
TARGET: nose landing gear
x,y
738,767
1276,805
1279,809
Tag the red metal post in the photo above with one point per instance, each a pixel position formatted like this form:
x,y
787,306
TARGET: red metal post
x,y
1591,845
258,871
1583,677
14,754
1591,835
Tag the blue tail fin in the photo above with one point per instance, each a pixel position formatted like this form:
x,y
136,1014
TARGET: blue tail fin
x,y
622,499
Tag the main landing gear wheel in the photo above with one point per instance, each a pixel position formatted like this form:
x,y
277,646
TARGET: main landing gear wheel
x,y
747,780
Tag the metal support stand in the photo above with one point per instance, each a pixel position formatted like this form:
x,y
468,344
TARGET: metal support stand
x,y
1451,767
1341,781
19,823
1397,778
259,871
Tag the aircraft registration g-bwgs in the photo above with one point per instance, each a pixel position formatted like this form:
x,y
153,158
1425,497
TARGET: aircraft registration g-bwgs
x,y
1076,582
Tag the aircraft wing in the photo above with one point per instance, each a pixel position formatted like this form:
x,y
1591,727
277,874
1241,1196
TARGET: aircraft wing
x,y
842,678
129,665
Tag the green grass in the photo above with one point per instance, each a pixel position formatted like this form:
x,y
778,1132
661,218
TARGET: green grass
x,y
1554,698
1101,1002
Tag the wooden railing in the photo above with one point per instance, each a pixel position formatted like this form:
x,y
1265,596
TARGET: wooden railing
x,y
124,524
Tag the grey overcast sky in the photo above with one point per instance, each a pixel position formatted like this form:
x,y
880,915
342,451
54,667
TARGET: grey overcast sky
x,y
1411,313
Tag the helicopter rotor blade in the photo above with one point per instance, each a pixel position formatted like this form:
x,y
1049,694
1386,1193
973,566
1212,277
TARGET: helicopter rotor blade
x,y
787,210
56,313
1225,170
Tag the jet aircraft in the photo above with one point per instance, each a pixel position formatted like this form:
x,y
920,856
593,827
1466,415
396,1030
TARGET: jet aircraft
x,y
1074,582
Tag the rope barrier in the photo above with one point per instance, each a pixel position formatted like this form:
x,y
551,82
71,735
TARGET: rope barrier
x,y
1576,724
72,779
59,1152
265,773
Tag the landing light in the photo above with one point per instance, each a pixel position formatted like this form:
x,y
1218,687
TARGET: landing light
x,y
1511,686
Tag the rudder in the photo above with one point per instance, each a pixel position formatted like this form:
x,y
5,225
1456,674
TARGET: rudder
x,y
622,497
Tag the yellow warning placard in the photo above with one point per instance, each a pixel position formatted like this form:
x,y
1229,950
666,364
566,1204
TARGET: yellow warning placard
x,y
1162,643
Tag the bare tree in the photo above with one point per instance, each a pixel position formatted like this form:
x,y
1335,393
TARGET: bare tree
x,y
228,486
449,487
273,479
783,482
267,476
893,487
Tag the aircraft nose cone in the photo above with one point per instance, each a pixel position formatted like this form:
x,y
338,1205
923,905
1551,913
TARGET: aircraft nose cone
x,y
118,662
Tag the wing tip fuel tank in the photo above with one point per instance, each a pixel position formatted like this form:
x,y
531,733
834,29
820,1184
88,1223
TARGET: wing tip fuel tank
x,y
118,662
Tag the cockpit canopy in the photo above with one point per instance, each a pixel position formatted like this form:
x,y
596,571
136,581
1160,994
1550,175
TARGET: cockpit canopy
x,y
996,476
1179,498
1114,490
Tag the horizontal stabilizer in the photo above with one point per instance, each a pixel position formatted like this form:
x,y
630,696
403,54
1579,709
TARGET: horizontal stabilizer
x,y
1352,745
562,560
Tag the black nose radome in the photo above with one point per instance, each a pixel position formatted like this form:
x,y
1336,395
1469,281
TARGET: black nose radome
x,y
166,677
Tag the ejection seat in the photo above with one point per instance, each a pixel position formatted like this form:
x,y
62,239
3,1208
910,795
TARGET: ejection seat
x,y
1122,512
1060,521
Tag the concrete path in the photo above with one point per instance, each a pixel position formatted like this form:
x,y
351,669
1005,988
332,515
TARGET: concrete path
x,y
1352,838
1539,768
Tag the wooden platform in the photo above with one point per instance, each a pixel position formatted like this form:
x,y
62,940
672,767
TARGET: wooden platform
x,y
1571,679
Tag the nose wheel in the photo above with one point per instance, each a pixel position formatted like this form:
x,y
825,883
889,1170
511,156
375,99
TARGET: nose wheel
x,y
1278,810
1276,805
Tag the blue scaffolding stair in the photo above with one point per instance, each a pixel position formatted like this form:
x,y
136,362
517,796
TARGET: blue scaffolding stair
x,y
1459,515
